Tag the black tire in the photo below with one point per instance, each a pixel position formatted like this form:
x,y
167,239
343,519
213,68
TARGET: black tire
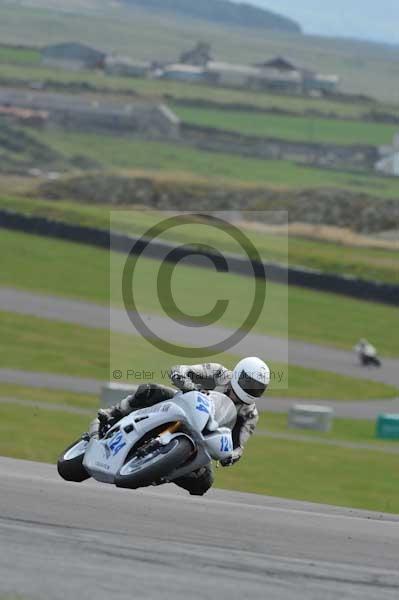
x,y
72,469
165,460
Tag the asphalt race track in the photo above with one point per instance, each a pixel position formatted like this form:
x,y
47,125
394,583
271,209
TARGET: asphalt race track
x,y
96,316
61,541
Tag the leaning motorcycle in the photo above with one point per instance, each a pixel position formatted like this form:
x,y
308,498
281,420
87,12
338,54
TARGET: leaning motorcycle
x,y
155,445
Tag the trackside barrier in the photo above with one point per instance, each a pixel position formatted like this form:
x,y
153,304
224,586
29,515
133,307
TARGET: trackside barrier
x,y
344,285
304,416
388,426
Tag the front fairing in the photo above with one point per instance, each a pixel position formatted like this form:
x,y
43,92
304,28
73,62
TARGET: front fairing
x,y
104,458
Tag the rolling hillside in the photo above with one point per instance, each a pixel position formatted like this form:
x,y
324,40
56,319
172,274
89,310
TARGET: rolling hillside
x,y
222,11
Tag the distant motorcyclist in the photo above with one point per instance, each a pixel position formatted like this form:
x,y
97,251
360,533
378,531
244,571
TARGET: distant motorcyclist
x,y
243,385
367,353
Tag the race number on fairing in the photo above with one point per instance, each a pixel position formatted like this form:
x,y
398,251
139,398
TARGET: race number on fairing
x,y
117,444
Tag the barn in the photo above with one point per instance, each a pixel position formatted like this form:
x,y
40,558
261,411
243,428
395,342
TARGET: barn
x,y
180,72
72,55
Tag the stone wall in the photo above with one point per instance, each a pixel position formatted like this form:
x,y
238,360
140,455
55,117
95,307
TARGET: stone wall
x,y
77,112
358,212
322,155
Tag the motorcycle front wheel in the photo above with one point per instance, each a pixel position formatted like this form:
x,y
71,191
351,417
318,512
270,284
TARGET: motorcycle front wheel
x,y
70,463
141,471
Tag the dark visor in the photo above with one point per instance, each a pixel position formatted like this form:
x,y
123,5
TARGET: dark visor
x,y
251,386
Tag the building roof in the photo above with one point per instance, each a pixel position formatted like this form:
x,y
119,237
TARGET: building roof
x,y
72,50
255,72
280,63
221,67
182,68
326,78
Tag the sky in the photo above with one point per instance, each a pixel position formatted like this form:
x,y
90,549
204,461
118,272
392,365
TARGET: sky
x,y
376,20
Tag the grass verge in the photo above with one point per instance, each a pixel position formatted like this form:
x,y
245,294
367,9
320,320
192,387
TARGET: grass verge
x,y
13,55
327,256
77,271
34,344
56,397
353,430
307,129
37,434
315,472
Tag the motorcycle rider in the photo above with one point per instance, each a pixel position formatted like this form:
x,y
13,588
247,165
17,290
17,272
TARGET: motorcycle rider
x,y
243,385
367,353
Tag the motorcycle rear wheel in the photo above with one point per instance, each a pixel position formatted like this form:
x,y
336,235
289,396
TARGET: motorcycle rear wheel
x,y
151,468
70,463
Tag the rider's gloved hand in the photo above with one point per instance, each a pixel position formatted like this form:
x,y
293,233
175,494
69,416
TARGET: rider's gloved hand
x,y
183,382
235,457
104,421
107,417
104,415
177,379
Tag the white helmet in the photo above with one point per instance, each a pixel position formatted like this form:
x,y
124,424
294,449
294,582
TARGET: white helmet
x,y
250,379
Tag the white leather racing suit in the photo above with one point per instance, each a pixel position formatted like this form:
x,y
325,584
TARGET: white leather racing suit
x,y
210,376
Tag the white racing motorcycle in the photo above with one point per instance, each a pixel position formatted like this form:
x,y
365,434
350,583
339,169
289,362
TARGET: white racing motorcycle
x,y
156,445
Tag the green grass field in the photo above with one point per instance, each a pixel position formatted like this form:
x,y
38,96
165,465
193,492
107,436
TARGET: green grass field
x,y
51,397
19,56
329,257
34,344
353,430
37,434
316,473
308,129
299,470
156,157
76,271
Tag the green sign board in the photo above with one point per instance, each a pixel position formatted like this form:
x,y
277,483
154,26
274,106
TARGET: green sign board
x,y
388,427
